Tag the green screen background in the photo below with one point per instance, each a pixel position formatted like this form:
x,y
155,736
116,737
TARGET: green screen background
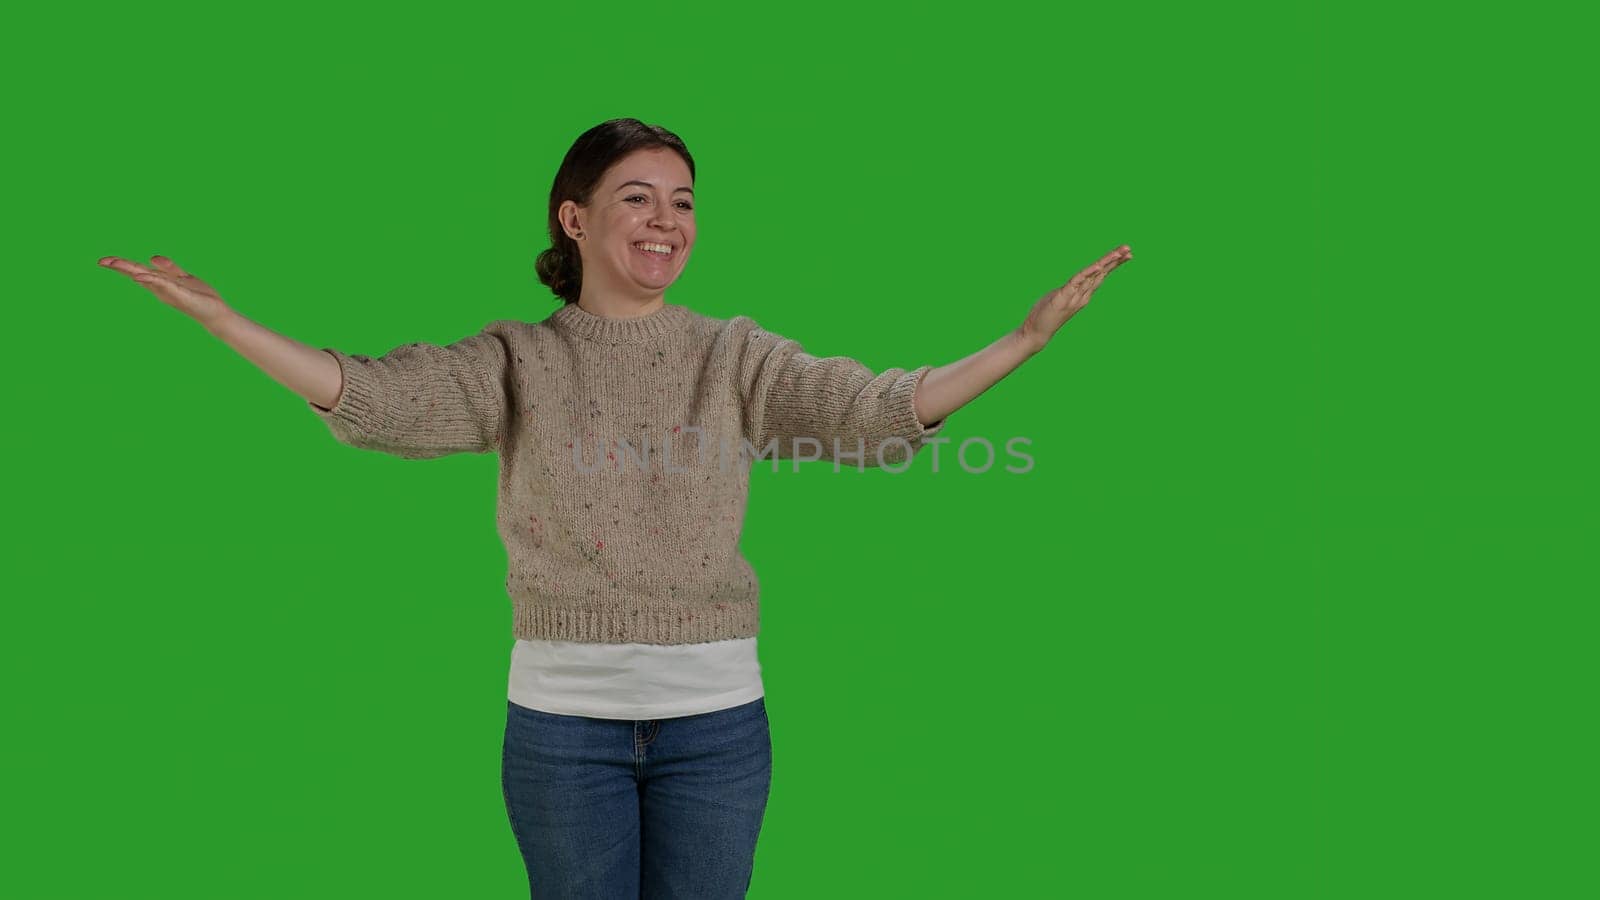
x,y
1287,607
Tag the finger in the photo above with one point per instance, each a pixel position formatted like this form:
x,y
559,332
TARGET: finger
x,y
125,266
165,264
1109,262
1113,259
1103,264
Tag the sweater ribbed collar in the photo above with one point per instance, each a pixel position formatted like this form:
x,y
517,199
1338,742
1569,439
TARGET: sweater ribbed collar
x,y
609,330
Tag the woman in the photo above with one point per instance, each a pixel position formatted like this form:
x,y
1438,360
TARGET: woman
x,y
637,757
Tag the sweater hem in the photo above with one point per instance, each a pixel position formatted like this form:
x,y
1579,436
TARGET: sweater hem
x,y
681,624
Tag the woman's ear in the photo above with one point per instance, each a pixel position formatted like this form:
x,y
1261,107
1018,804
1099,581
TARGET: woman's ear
x,y
570,221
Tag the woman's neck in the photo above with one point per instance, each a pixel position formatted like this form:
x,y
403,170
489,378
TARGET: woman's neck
x,y
610,305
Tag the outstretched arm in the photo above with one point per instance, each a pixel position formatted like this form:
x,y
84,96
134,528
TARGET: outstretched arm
x,y
417,401
947,388
303,369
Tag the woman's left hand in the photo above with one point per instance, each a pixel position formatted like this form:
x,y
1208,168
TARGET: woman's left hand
x,y
1055,308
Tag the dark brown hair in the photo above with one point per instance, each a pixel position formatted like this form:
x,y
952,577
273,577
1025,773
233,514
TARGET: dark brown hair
x,y
591,155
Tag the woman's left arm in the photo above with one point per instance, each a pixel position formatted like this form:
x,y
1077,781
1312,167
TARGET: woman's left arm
x,y
947,388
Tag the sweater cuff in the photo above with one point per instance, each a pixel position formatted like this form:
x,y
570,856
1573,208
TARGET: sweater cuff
x,y
352,410
903,411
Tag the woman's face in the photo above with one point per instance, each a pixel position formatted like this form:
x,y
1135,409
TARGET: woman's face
x,y
646,197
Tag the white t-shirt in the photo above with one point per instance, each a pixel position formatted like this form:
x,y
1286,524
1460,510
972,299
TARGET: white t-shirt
x,y
634,681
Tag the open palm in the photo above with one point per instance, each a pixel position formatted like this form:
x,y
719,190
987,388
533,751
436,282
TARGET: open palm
x,y
1055,308
173,285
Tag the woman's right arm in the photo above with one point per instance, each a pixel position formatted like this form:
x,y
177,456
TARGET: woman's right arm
x,y
418,401
312,373
307,371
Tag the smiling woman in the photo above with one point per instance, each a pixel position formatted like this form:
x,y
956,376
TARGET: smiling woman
x,y
622,221
634,609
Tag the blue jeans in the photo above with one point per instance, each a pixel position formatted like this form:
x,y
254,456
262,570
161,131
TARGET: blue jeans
x,y
651,809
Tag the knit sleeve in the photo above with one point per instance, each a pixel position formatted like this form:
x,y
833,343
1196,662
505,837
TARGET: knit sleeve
x,y
420,401
790,395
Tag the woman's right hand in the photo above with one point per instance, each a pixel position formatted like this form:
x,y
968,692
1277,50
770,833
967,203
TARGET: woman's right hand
x,y
176,288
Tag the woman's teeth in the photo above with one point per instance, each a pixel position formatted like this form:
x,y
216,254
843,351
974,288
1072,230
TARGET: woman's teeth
x,y
657,249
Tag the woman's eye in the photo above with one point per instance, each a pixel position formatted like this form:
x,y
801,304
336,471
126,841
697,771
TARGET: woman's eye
x,y
684,205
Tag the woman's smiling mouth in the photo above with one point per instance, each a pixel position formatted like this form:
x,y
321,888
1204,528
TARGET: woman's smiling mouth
x,y
655,250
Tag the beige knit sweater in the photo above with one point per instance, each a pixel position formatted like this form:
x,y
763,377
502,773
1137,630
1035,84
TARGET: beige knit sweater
x,y
621,521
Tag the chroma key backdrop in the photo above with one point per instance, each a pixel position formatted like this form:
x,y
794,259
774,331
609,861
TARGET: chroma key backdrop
x,y
1282,605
